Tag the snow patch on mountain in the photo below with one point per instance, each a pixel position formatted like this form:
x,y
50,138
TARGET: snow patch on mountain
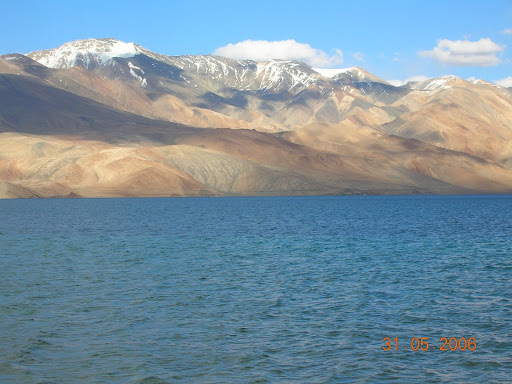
x,y
435,85
332,72
217,68
480,82
133,68
273,74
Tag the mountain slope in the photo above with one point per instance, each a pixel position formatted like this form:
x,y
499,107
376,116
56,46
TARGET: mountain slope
x,y
65,144
475,118
29,105
101,117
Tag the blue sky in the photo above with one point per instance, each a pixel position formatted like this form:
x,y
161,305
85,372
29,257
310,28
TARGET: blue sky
x,y
392,39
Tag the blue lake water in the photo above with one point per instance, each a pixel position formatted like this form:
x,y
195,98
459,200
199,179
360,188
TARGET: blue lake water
x,y
255,290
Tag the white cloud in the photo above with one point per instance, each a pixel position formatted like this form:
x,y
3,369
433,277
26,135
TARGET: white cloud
x,y
358,56
507,31
398,83
464,52
261,50
506,82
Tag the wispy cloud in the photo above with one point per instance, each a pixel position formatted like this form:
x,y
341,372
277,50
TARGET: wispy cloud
x,y
260,50
507,31
358,56
481,53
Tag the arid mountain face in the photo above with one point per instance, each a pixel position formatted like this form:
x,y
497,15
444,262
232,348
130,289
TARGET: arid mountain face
x,y
101,117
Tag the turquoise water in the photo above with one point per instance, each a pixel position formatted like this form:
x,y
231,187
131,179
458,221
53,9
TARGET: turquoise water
x,y
255,290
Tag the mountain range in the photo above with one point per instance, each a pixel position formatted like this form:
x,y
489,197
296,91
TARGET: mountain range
x,y
104,118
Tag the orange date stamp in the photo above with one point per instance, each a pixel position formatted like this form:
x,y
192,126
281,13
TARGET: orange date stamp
x,y
422,344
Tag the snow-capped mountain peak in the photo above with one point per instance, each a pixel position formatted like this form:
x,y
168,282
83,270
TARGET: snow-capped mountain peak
x,y
89,53
265,76
207,72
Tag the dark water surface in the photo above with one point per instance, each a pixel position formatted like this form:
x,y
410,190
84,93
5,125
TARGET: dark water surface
x,y
255,290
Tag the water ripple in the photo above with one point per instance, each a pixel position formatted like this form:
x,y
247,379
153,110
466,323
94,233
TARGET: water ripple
x,y
255,290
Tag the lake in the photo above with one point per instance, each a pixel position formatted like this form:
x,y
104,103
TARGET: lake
x,y
256,290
